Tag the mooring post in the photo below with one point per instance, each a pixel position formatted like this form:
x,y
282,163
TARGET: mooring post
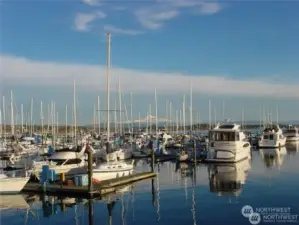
x,y
90,186
90,211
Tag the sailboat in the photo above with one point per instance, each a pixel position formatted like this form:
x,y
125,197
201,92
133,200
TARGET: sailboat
x,y
110,169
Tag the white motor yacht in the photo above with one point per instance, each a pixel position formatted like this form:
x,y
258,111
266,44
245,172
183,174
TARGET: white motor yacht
x,y
228,143
272,137
292,134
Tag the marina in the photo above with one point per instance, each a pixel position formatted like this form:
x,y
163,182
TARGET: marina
x,y
149,112
179,188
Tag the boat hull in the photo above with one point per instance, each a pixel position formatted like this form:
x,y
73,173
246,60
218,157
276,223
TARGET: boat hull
x,y
272,143
228,156
12,185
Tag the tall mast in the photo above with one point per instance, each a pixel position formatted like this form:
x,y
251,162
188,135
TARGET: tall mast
x,y
94,118
209,114
184,115
108,87
75,114
150,118
12,114
66,124
170,121
191,108
131,111
177,121
119,98
115,117
31,116
4,116
99,115
22,118
42,117
156,103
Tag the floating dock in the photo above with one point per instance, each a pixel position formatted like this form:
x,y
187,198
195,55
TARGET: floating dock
x,y
99,189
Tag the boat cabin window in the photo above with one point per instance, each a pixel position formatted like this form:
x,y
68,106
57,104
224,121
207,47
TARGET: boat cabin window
x,y
266,137
226,136
73,161
58,161
271,136
293,131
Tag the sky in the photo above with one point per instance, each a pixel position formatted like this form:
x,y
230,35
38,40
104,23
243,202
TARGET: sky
x,y
237,54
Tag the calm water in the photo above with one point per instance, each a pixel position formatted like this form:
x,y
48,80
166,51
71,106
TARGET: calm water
x,y
181,194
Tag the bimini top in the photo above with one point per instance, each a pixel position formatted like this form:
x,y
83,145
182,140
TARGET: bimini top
x,y
227,125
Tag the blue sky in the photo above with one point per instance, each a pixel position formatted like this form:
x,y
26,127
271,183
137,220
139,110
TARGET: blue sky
x,y
245,53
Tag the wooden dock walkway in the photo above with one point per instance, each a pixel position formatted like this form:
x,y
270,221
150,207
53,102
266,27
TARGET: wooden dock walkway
x,y
99,189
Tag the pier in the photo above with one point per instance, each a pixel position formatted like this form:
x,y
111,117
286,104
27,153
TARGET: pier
x,y
99,189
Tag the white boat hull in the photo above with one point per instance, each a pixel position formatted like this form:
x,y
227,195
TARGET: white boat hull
x,y
292,139
229,156
230,145
99,176
12,185
266,143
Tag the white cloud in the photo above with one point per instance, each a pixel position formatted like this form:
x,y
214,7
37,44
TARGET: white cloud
x,y
117,30
209,8
16,70
154,18
83,20
91,2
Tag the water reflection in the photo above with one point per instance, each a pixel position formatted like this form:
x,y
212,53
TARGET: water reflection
x,y
273,157
228,179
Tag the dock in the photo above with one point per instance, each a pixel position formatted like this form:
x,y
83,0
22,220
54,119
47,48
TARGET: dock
x,y
99,189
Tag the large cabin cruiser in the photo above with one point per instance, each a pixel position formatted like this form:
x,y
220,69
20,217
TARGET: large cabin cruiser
x,y
228,143
272,137
292,134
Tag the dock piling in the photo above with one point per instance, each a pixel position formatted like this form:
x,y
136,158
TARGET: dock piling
x,y
90,186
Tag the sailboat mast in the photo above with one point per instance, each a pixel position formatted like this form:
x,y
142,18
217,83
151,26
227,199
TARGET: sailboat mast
x,y
150,118
156,103
184,115
65,123
131,112
41,117
12,114
75,114
108,87
4,116
99,115
191,109
177,121
209,114
22,118
31,116
119,98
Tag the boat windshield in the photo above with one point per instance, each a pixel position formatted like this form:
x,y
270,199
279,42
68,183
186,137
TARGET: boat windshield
x,y
224,136
290,131
58,162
